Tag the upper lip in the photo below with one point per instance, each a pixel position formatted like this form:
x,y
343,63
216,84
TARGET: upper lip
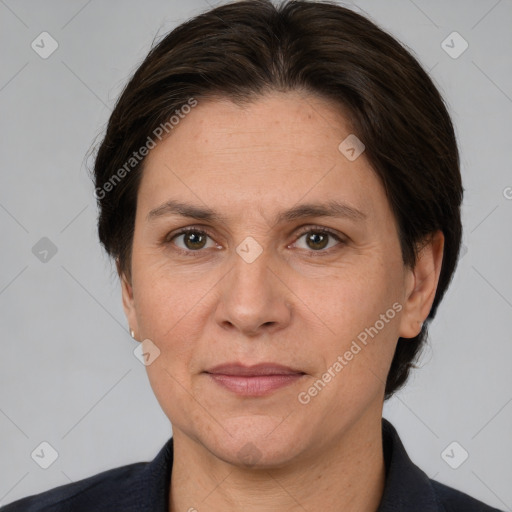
x,y
257,369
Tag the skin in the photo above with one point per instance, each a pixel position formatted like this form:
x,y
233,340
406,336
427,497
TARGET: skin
x,y
291,305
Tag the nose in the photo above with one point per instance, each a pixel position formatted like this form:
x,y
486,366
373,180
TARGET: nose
x,y
254,298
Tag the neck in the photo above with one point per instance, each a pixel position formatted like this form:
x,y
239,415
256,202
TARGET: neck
x,y
348,475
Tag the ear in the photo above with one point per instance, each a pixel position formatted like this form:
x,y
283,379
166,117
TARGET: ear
x,y
128,301
421,285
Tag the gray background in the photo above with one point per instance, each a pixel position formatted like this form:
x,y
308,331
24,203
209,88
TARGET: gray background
x,y
68,375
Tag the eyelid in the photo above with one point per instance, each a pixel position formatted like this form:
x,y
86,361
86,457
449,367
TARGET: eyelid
x,y
313,227
339,237
167,239
180,231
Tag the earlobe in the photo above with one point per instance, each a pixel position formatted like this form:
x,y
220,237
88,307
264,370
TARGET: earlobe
x,y
128,302
421,285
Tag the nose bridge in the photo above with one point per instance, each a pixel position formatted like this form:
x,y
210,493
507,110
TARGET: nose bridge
x,y
252,296
250,270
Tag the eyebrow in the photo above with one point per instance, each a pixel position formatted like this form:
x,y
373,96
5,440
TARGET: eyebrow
x,y
335,209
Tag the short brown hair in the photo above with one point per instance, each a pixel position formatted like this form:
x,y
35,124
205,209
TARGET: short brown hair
x,y
244,49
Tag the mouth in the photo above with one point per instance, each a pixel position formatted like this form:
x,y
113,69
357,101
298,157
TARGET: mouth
x,y
257,380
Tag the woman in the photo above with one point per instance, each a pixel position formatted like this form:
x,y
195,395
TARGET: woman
x,y
280,190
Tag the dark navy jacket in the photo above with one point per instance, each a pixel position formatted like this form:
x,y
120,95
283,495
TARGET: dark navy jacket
x,y
144,487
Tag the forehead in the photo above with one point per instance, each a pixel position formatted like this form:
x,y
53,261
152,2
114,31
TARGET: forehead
x,y
277,150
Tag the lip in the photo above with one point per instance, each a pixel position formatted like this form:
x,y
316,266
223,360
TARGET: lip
x,y
256,380
255,370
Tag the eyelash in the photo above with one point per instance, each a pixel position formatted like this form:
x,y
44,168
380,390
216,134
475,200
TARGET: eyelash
x,y
308,229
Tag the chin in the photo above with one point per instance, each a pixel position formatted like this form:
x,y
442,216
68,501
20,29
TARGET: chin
x,y
257,442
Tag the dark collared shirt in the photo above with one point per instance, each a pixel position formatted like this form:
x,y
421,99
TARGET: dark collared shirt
x,y
144,487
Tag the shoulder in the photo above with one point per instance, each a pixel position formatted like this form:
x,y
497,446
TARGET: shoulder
x,y
138,487
409,488
453,500
115,489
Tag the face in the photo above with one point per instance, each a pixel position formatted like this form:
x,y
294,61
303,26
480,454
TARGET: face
x,y
291,257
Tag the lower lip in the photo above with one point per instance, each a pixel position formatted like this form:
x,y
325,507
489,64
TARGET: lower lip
x,y
257,385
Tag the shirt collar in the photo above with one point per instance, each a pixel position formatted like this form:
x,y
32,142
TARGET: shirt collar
x,y
407,487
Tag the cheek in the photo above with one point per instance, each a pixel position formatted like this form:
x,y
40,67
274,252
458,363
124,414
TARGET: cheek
x,y
167,305
351,297
172,307
360,308
165,296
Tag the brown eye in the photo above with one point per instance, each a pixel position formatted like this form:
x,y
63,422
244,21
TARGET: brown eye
x,y
318,240
194,240
191,240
